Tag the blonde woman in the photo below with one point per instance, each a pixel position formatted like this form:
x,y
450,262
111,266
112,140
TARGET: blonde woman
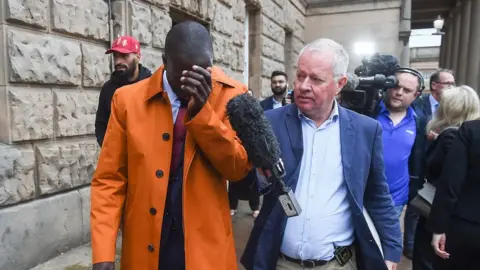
x,y
457,105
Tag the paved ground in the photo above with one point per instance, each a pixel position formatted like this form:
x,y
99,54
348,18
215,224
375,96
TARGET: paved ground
x,y
79,258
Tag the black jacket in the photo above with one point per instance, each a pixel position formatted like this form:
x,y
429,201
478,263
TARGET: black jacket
x,y
267,104
437,152
105,100
458,189
417,161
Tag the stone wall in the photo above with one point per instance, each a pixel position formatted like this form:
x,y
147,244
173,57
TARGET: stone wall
x,y
52,66
281,40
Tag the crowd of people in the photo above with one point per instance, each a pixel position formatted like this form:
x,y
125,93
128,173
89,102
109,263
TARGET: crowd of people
x,y
169,153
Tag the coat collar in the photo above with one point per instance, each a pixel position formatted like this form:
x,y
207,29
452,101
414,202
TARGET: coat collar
x,y
155,83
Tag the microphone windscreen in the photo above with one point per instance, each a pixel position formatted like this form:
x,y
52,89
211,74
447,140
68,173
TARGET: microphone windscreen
x,y
254,131
352,82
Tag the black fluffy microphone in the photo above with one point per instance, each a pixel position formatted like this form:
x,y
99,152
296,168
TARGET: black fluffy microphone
x,y
253,129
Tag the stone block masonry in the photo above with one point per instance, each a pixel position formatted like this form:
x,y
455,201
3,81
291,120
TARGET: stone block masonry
x,y
52,67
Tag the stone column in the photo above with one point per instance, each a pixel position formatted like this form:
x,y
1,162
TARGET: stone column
x,y
405,55
404,35
473,67
441,60
464,37
448,45
405,24
456,37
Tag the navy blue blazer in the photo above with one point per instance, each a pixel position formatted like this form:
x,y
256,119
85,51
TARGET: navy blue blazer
x,y
267,103
423,107
364,174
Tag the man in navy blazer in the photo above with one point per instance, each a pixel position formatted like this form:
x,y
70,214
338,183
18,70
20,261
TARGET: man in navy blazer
x,y
334,163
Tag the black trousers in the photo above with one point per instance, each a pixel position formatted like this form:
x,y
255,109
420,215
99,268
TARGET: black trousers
x,y
172,250
463,245
253,201
423,254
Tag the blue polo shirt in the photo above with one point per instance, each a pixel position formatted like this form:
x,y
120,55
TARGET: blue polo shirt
x,y
397,145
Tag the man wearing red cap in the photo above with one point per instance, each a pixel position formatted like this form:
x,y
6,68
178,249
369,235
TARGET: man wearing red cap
x,y
128,70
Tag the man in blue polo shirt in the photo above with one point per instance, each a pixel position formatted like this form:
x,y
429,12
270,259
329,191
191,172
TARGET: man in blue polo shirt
x,y
403,142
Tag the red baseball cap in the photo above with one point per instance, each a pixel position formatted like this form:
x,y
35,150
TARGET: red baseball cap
x,y
125,44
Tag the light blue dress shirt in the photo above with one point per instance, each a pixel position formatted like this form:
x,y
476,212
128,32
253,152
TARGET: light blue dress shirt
x,y
171,96
276,104
433,104
326,218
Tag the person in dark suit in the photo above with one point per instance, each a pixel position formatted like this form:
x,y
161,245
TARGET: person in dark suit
x,y
457,105
333,160
426,104
454,218
279,84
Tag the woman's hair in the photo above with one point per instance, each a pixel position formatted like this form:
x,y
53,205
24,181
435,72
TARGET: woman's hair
x,y
457,105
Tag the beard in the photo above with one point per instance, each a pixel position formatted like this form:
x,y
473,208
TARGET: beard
x,y
279,91
124,76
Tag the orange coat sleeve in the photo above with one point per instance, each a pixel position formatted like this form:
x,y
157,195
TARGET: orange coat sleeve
x,y
108,189
219,143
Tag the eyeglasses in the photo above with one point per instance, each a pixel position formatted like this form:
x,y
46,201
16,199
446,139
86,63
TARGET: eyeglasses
x,y
446,83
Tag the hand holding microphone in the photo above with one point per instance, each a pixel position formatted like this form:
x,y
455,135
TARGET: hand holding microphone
x,y
252,127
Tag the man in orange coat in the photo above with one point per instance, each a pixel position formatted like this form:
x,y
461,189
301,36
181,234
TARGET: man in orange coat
x,y
167,154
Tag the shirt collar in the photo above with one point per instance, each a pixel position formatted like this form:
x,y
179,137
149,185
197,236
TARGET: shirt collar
x,y
166,86
432,100
384,110
275,101
333,115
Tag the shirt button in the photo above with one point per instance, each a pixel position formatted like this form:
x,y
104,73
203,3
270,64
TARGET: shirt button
x,y
153,211
166,136
159,173
151,248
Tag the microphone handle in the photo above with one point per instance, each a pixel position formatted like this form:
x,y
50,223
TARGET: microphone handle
x,y
283,186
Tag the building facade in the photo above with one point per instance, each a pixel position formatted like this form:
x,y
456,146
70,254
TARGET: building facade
x,y
425,60
461,42
52,67
382,24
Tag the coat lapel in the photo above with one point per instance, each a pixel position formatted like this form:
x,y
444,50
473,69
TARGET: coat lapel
x,y
294,129
347,148
219,80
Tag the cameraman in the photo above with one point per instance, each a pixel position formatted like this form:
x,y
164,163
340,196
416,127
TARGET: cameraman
x,y
403,141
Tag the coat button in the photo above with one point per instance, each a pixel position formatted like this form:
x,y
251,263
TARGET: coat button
x,y
151,248
153,211
166,136
159,173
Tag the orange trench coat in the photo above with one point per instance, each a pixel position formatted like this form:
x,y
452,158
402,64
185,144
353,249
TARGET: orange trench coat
x,y
133,169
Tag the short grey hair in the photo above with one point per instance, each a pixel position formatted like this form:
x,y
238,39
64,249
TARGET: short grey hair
x,y
341,58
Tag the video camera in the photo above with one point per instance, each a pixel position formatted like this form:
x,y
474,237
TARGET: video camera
x,y
367,86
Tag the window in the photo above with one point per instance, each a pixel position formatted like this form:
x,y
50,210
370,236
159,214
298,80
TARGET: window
x,y
179,16
288,53
254,16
